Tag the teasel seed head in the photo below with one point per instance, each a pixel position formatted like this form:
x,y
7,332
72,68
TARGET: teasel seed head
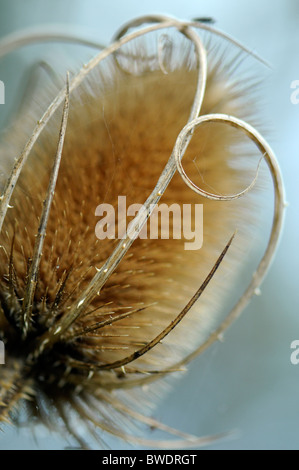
x,y
87,322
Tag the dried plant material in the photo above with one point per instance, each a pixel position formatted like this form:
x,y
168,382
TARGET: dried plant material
x,y
87,322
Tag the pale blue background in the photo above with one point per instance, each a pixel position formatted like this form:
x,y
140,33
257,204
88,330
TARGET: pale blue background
x,y
247,383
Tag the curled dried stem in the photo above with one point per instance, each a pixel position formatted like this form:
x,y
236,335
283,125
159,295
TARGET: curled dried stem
x,y
187,440
123,246
40,237
35,35
206,26
277,224
151,344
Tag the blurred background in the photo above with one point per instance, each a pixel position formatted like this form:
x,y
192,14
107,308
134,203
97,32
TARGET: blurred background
x,y
247,383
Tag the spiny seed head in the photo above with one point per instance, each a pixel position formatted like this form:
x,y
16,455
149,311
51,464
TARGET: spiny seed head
x,y
85,333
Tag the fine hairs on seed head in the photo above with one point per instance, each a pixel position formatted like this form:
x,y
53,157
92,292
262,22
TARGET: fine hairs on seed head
x,y
160,116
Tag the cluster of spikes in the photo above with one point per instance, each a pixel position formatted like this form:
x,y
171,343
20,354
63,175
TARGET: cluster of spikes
x,y
87,323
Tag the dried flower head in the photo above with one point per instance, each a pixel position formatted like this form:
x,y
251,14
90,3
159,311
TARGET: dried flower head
x,y
87,322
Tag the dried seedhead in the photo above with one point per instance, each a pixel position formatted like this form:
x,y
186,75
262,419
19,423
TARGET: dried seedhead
x,y
87,322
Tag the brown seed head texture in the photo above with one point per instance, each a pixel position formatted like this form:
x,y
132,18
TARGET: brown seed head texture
x,y
122,122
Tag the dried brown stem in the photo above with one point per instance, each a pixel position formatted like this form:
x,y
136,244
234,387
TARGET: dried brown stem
x,y
40,237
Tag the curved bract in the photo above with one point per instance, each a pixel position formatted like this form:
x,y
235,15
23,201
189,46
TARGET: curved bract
x,y
87,322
